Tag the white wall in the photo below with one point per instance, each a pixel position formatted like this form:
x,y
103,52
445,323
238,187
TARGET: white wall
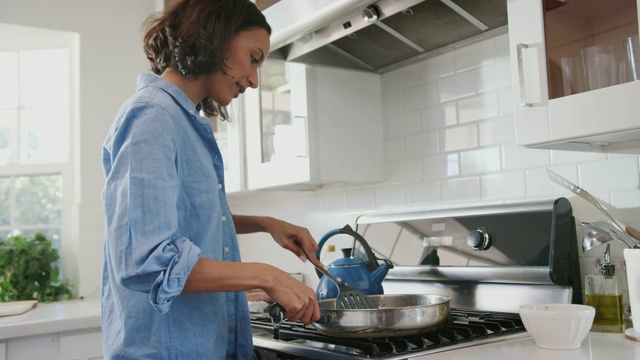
x,y
110,58
449,142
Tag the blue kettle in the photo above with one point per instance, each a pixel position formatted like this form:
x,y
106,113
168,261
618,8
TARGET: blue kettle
x,y
365,276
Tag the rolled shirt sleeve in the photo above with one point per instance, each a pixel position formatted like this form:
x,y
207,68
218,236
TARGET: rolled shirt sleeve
x,y
148,254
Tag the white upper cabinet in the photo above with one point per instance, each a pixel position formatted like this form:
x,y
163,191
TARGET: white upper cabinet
x,y
310,126
230,139
575,66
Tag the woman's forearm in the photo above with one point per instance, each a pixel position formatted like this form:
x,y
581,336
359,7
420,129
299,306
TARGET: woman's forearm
x,y
250,224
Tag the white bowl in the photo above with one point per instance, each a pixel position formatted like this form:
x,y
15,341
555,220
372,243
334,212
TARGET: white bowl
x,y
557,326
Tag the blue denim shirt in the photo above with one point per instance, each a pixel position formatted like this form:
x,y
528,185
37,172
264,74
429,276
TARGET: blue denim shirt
x,y
165,206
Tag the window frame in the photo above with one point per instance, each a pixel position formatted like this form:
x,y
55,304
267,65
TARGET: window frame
x,y
24,38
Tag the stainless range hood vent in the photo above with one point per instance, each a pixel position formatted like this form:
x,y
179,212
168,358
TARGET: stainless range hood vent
x,y
382,35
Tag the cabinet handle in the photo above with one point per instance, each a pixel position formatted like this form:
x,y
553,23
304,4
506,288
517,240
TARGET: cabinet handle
x,y
523,93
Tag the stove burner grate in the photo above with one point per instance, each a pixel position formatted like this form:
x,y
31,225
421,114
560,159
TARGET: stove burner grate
x,y
462,326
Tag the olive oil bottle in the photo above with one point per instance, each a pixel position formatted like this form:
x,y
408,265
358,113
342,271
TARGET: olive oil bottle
x,y
603,291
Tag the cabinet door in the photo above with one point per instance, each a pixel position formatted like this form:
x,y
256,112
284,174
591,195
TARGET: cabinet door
x,y
528,72
277,127
80,346
33,347
575,66
229,136
313,125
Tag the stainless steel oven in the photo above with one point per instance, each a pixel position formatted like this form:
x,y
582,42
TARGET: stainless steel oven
x,y
489,259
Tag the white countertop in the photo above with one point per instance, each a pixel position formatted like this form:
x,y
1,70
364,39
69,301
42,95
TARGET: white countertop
x,y
47,318
595,346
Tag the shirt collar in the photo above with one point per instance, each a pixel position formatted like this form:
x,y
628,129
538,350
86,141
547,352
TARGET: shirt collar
x,y
150,79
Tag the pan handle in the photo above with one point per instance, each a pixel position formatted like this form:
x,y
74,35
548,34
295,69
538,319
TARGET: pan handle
x,y
276,312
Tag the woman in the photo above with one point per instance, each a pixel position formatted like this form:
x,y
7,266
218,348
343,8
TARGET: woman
x,y
173,286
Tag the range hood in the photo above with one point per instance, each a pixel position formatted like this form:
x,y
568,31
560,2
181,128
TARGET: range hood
x,y
380,35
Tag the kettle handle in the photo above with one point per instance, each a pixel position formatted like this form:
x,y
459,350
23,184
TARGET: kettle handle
x,y
371,263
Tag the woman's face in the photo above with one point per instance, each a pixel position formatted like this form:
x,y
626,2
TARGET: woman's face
x,y
245,54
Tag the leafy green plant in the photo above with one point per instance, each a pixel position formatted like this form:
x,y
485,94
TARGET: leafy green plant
x,y
29,270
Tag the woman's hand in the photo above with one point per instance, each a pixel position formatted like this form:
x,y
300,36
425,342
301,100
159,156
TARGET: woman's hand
x,y
287,235
282,232
296,298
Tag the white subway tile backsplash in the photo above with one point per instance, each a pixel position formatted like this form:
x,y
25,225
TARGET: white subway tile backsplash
x,y
475,55
626,200
409,170
572,157
496,131
433,117
405,124
503,186
481,161
493,76
420,96
450,113
539,185
439,116
459,138
437,166
391,197
422,144
423,193
502,48
361,199
333,201
461,189
392,104
345,218
481,106
310,203
618,174
453,164
400,79
505,99
437,67
394,149
516,157
457,86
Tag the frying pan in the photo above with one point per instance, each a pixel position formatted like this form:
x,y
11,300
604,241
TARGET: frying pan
x,y
397,315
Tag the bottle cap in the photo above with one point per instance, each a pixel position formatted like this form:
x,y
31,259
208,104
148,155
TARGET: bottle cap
x,y
607,269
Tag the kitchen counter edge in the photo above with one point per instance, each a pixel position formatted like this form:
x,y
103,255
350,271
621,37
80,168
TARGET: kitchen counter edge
x,y
54,317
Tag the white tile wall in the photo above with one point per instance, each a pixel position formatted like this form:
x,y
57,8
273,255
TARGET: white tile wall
x,y
449,142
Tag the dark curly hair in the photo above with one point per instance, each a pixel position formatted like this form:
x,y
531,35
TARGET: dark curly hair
x,y
191,36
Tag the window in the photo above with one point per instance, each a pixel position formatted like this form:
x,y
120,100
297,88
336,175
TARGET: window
x,y
35,136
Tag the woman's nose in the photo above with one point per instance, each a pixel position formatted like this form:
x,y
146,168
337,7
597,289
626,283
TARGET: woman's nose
x,y
253,79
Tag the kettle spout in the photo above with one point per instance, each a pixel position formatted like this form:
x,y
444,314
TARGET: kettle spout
x,y
380,272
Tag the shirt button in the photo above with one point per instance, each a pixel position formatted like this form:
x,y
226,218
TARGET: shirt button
x,y
224,218
226,249
219,186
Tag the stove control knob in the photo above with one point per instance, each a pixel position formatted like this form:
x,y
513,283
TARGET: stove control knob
x,y
479,240
370,14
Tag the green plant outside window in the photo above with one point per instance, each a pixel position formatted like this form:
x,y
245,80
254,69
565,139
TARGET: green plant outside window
x,y
29,270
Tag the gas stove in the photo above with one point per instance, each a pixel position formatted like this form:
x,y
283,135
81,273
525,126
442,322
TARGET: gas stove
x,y
290,340
489,259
